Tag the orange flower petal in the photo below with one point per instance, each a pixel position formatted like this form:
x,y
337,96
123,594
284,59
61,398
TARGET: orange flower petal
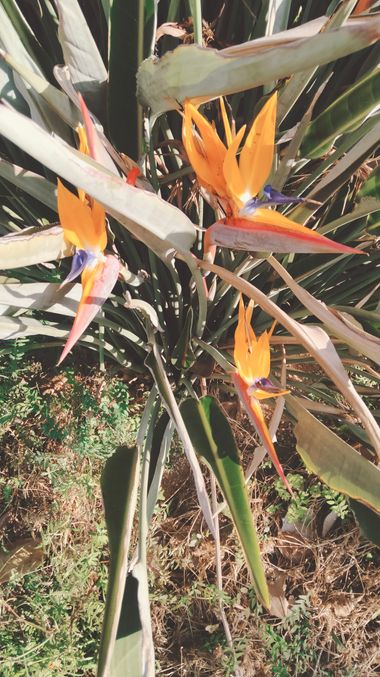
x,y
97,284
226,122
256,157
206,152
261,367
235,184
254,411
77,221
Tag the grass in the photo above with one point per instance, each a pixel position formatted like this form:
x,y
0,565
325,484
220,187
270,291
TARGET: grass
x,y
57,428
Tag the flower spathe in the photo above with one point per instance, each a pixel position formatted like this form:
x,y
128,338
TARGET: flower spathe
x,y
252,359
235,181
84,225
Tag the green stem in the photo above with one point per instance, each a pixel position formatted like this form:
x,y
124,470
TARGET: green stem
x,y
196,13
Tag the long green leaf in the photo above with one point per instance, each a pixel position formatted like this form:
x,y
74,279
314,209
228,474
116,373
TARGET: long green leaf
x,y
33,184
87,70
33,245
42,296
193,72
126,54
121,634
359,339
333,460
39,109
157,223
345,114
213,440
57,100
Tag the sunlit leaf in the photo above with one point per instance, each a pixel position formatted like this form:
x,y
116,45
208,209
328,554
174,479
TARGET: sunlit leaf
x,y
121,626
213,440
333,460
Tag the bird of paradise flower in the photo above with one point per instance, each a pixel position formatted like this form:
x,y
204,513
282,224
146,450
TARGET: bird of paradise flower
x,y
252,360
236,183
84,224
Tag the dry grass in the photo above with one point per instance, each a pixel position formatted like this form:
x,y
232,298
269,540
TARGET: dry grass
x,y
334,582
331,584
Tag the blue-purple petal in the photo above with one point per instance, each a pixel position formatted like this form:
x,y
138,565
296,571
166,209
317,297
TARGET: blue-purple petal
x,y
265,385
79,262
272,198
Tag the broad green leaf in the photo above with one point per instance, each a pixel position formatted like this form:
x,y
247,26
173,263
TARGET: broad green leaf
x,y
213,440
127,650
33,245
33,184
368,521
121,626
193,72
125,55
87,70
334,461
158,224
315,340
345,114
359,339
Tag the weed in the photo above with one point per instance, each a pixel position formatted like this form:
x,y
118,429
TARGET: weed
x,y
55,433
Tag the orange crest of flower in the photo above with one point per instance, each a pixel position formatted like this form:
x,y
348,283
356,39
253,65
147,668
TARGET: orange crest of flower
x,y
252,355
216,164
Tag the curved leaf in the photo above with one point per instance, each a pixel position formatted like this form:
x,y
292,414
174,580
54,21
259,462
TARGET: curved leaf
x,y
334,461
368,521
158,224
87,70
193,72
359,339
345,114
33,245
213,440
121,635
33,184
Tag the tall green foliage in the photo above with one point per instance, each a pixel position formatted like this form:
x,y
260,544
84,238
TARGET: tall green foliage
x,y
171,314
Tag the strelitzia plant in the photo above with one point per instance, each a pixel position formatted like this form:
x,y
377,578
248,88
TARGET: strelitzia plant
x,y
83,221
234,186
157,336
252,360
